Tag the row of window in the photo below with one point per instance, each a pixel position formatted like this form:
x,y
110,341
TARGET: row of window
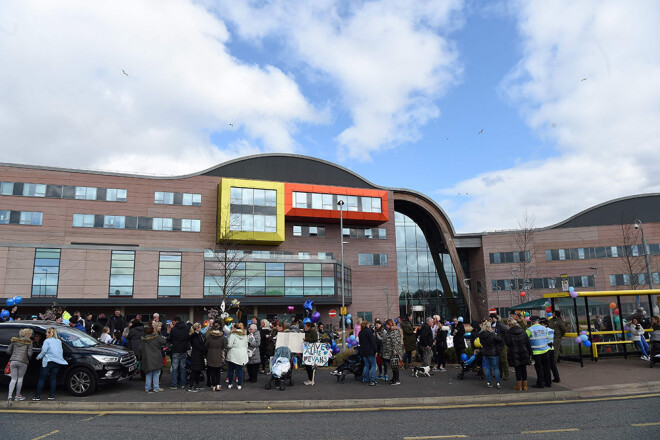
x,y
308,231
372,259
375,233
329,202
247,278
62,191
253,210
600,252
175,198
542,283
509,257
275,279
130,222
21,218
626,279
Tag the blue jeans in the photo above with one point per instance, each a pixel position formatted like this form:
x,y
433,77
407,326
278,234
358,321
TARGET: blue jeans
x,y
51,368
151,377
643,346
369,371
231,367
179,369
492,364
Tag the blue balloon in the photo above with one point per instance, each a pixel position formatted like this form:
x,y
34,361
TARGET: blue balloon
x,y
348,322
11,319
570,289
18,300
10,302
584,337
4,313
309,305
349,316
352,337
464,357
306,320
587,344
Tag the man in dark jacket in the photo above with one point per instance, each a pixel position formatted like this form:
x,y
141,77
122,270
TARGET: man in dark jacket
x,y
179,338
426,342
116,322
458,332
135,333
501,329
312,337
368,348
560,328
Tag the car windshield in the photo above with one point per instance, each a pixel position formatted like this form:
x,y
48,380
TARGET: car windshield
x,y
76,338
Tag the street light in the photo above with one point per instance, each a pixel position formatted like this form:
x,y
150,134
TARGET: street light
x,y
466,282
516,281
638,225
498,297
595,275
340,203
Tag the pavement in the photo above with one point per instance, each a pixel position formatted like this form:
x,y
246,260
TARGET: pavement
x,y
608,377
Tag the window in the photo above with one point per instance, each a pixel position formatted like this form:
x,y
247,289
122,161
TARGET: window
x,y
31,218
83,220
46,272
122,269
169,274
190,225
369,233
85,193
366,316
114,221
115,195
163,198
192,199
329,202
297,231
511,257
6,188
253,210
162,224
34,190
4,217
372,259
308,231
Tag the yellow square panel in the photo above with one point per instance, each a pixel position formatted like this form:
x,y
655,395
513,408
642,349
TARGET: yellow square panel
x,y
223,231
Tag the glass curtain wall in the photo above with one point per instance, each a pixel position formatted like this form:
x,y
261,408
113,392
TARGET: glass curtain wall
x,y
421,291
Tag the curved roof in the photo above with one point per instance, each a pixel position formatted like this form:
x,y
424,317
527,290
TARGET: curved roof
x,y
645,207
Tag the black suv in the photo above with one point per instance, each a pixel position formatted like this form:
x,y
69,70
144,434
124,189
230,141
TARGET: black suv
x,y
91,363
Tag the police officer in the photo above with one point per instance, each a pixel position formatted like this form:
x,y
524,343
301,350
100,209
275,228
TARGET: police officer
x,y
538,337
551,344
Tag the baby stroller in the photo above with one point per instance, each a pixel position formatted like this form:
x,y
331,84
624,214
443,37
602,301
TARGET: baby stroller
x,y
353,364
655,347
280,369
473,364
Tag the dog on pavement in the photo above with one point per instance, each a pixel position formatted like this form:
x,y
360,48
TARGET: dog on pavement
x,y
424,371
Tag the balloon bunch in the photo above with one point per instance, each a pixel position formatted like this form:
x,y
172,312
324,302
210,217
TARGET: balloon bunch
x,y
334,348
351,341
548,308
309,316
349,319
572,292
11,302
583,339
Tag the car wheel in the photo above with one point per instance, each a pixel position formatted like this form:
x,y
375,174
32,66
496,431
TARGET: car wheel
x,y
81,382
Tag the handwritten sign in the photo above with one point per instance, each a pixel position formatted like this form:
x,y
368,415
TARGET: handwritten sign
x,y
292,340
316,354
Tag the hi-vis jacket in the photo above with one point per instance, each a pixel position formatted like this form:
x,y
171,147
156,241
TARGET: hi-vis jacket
x,y
538,337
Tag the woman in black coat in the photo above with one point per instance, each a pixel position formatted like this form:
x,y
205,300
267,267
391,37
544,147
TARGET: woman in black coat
x,y
134,337
197,355
441,345
520,352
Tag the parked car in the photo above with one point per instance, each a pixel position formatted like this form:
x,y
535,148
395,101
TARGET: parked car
x,y
91,363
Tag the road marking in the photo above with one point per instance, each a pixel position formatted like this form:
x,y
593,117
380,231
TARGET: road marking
x,y
545,431
93,417
430,437
46,435
646,424
325,410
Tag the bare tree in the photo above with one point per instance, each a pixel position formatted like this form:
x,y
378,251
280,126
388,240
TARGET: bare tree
x,y
225,265
631,255
524,270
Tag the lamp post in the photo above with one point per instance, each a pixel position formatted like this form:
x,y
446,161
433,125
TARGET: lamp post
x,y
498,298
340,203
595,275
466,282
638,224
516,281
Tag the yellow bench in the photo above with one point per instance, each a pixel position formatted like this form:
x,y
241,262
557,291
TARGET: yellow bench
x,y
594,346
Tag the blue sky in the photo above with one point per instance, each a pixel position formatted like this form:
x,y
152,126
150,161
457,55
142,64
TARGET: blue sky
x,y
567,93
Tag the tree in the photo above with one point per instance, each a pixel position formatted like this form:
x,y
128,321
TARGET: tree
x,y
227,270
631,254
524,258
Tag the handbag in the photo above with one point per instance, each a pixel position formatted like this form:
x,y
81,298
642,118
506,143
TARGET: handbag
x,y
250,352
8,369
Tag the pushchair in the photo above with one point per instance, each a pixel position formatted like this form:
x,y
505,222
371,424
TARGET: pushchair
x,y
655,348
280,369
473,364
353,364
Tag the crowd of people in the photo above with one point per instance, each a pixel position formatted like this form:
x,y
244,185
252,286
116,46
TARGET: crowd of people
x,y
193,348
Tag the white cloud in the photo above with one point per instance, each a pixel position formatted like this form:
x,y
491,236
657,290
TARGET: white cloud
x,y
390,60
606,128
64,100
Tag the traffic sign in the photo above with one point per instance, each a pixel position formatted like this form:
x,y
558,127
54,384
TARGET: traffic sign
x,y
332,313
343,311
564,282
